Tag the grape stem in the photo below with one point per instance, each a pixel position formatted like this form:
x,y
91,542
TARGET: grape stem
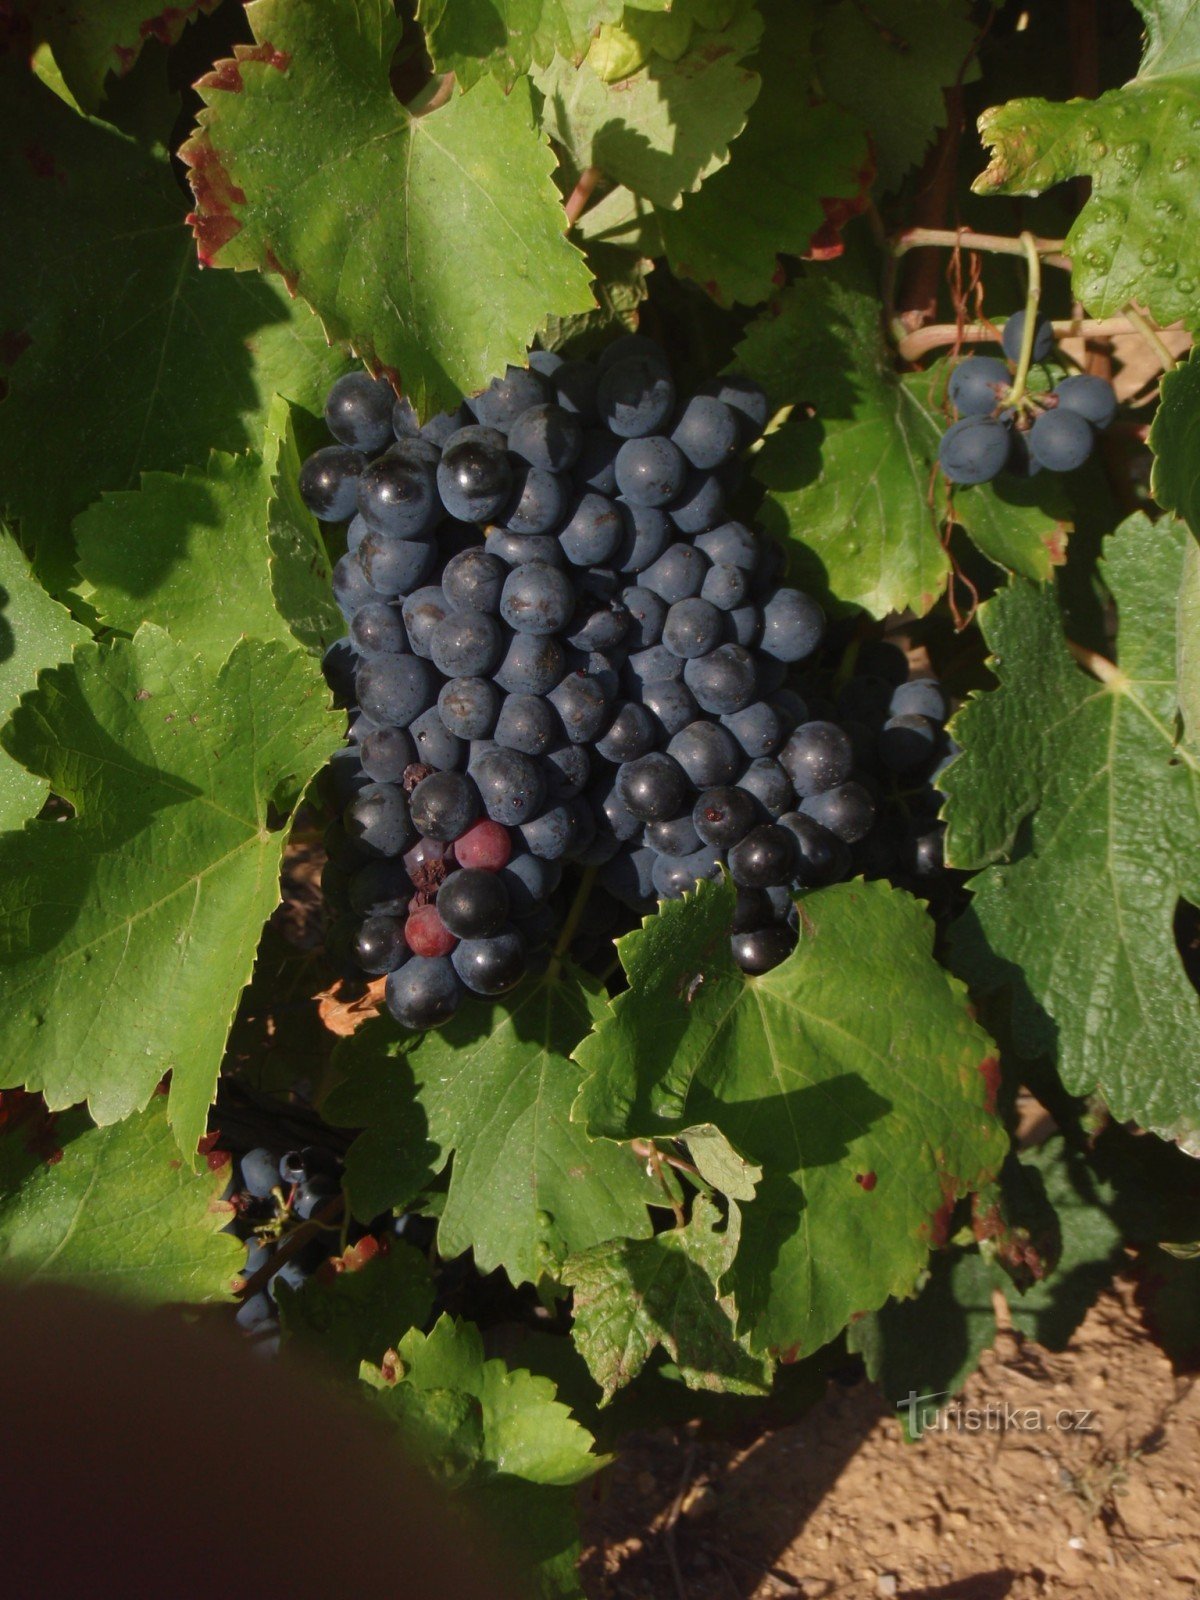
x,y
581,194
573,917
912,346
1033,295
1142,326
994,243
328,1216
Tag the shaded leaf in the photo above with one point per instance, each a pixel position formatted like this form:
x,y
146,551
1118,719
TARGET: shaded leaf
x,y
357,1315
117,1213
473,37
301,571
128,932
91,38
304,163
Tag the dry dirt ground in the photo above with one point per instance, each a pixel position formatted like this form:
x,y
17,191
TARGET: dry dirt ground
x,y
839,1505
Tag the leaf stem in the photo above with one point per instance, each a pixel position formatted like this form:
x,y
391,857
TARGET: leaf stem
x,y
1149,334
573,917
581,194
993,243
1108,673
914,345
1033,295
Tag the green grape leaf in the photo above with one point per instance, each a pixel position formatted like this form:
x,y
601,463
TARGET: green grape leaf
x,y
116,1212
358,1314
1133,239
91,38
165,362
1083,810
128,931
1168,1296
889,64
867,1117
473,37
662,130
500,1440
35,632
304,163
797,173
1175,441
494,1087
922,1351
188,553
854,491
632,1296
301,571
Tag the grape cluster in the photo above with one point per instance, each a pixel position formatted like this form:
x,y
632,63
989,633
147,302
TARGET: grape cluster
x,y
271,1196
1055,429
562,650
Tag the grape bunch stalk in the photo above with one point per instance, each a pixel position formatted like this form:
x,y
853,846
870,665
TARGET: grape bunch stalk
x,y
563,652
1004,427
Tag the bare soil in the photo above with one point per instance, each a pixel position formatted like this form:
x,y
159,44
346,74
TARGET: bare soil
x,y
838,1504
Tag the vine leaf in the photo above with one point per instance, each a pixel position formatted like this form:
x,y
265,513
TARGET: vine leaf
x,y
794,176
1083,810
361,1312
165,362
1175,441
301,571
634,1295
494,1087
116,1212
35,632
867,1119
128,931
304,163
664,128
510,1452
1133,239
90,40
854,490
890,64
473,37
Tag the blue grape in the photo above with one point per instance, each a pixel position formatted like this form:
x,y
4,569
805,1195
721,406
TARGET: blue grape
x,y
378,819
746,399
745,625
555,832
793,625
395,567
631,733
671,703
380,889
974,450
907,742
378,629
593,532
386,752
255,1313
469,707
699,506
422,610
358,412
504,399
978,384
473,580
647,535
394,690
582,706
1013,334
575,389
758,728
434,744
473,904
517,549
532,664
770,785
547,437
538,501
260,1172
567,768
398,497
707,432
424,993
725,586
599,628
635,396
707,753
405,422
329,482
1092,398
692,628
545,362
650,471
530,881
466,644
629,877
674,876
846,810
537,599
763,858
350,587
596,467
346,775
821,857
338,665
510,785
921,697
678,574
653,787
440,429
759,950
379,945
731,543
527,723
474,477
723,815
818,756
628,346
647,612
724,680
656,664
674,836
1061,440
490,966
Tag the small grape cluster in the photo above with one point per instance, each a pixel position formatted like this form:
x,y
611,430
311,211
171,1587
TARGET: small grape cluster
x,y
562,650
272,1195
1055,429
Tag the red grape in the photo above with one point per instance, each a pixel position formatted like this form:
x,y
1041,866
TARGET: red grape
x,y
426,933
486,845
